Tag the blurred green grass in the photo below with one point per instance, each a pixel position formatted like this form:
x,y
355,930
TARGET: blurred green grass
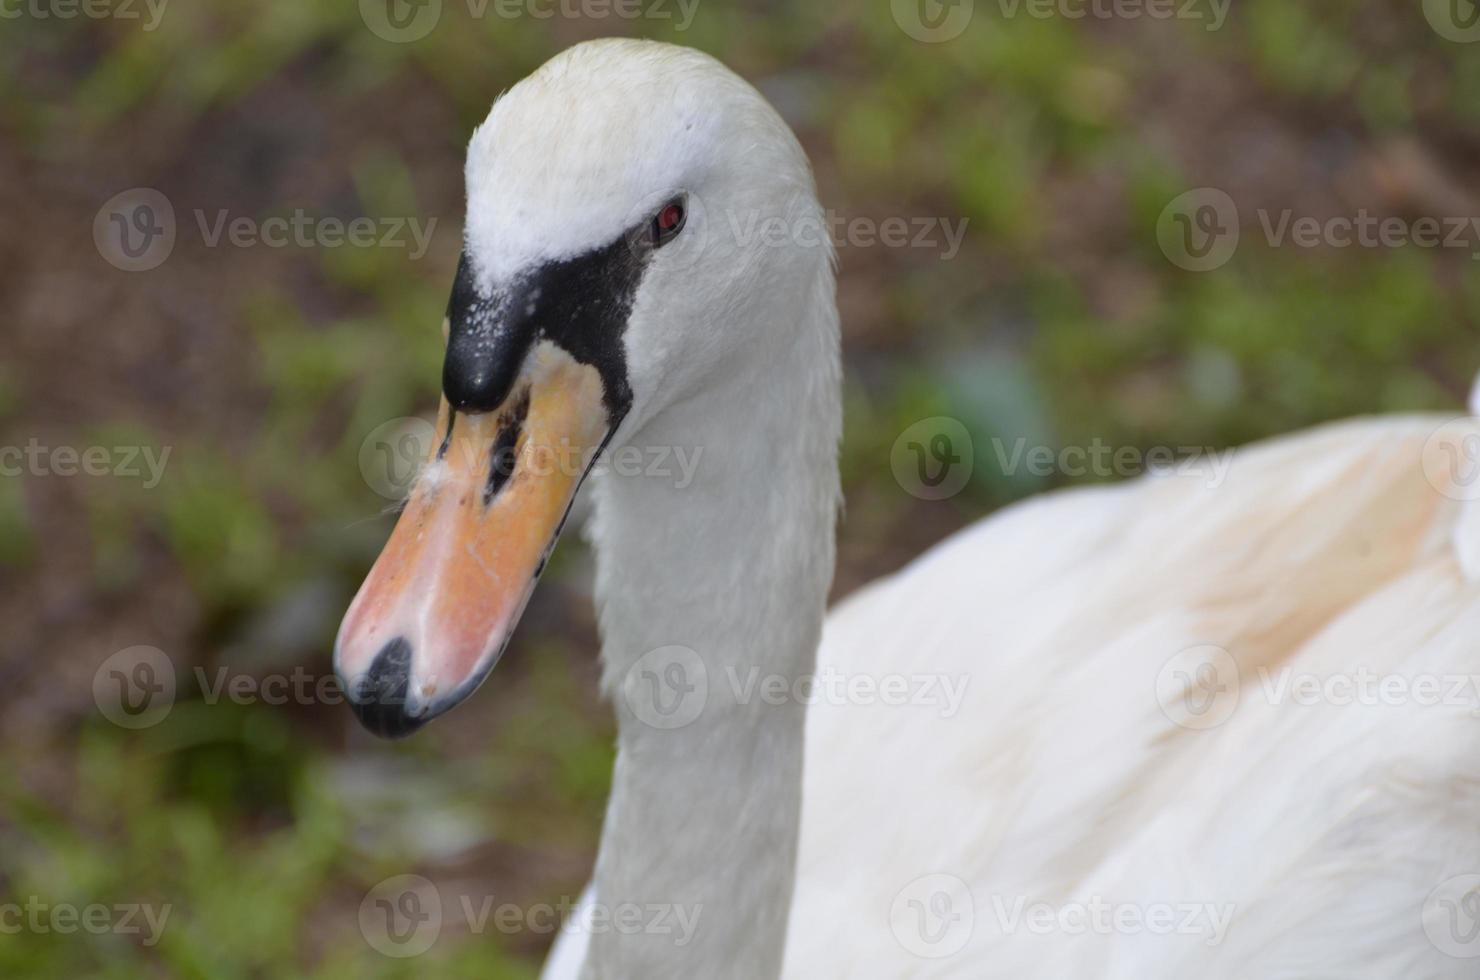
x,y
237,815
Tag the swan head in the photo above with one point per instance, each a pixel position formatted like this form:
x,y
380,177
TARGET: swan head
x,y
622,209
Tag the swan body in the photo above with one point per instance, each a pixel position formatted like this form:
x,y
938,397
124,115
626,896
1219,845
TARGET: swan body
x,y
1290,834
1074,740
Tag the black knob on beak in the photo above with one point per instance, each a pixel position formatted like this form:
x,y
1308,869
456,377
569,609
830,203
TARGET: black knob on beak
x,y
488,339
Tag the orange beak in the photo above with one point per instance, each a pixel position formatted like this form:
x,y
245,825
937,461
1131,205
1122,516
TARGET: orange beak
x,y
443,598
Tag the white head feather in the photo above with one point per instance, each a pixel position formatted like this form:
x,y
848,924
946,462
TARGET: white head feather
x,y
593,144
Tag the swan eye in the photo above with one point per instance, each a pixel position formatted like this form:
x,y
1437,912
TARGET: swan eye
x,y
668,222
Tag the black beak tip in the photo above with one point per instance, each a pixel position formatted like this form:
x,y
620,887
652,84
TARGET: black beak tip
x,y
379,700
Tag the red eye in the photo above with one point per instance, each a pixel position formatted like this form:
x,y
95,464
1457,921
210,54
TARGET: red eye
x,y
668,223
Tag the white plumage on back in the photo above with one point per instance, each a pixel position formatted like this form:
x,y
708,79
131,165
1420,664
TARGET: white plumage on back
x,y
1298,839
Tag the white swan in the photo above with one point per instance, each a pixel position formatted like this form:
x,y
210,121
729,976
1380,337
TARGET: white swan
x,y
1135,782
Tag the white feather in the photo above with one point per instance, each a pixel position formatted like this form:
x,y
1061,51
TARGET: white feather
x,y
1320,829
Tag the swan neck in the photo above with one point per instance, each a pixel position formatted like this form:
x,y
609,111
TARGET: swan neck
x,y
711,597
